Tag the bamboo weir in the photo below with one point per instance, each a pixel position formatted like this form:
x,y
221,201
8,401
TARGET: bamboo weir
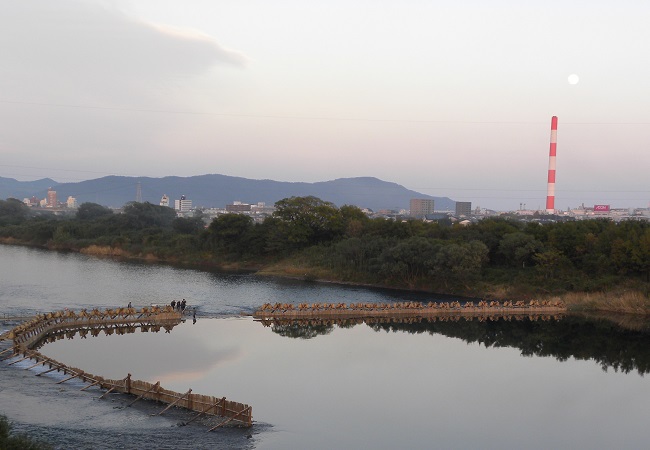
x,y
31,335
409,311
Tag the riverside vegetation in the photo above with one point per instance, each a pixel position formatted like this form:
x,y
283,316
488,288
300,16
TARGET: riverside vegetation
x,y
590,264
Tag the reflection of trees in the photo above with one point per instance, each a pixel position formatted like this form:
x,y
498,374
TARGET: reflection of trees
x,y
301,330
572,337
95,330
609,345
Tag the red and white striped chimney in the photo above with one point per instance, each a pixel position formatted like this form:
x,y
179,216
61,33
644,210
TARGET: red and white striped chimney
x,y
550,191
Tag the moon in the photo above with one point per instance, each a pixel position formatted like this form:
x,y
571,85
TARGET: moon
x,y
573,79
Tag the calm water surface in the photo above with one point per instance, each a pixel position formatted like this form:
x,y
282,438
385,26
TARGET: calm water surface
x,y
34,281
427,385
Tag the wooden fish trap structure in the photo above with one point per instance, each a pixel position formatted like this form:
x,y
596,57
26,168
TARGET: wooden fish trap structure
x,y
47,327
346,322
404,310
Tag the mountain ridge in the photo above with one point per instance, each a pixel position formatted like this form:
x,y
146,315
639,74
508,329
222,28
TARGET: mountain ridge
x,y
216,190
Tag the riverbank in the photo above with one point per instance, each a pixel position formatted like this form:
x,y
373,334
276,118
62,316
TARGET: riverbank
x,y
618,299
625,299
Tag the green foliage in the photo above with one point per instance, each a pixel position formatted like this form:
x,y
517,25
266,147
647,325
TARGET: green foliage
x,y
518,248
92,211
9,441
143,215
13,212
462,262
345,244
188,225
641,254
227,234
552,263
37,231
491,232
308,221
409,260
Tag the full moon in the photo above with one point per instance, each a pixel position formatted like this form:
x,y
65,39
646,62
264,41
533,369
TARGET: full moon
x,y
573,78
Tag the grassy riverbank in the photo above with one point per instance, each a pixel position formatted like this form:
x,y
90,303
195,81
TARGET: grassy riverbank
x,y
627,297
590,264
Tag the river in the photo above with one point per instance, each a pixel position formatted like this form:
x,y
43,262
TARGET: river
x,y
568,383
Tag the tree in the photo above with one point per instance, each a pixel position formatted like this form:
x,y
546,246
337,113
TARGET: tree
x,y
360,255
641,254
551,263
92,211
490,232
226,232
13,212
9,441
144,215
409,260
518,248
308,220
188,225
353,219
462,261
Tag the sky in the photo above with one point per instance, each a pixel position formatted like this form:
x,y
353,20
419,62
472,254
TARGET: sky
x,y
447,98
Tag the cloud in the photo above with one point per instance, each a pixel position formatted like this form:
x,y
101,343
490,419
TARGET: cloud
x,y
81,51
86,85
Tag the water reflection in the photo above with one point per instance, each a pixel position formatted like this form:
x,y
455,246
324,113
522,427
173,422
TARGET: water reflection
x,y
107,329
611,346
397,385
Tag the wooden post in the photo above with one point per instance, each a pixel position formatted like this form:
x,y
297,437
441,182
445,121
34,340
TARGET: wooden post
x,y
107,392
47,371
71,377
9,357
127,384
200,413
174,402
31,367
231,419
155,386
23,359
90,385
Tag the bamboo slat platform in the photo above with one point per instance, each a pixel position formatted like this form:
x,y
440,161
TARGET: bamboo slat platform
x,y
406,310
35,332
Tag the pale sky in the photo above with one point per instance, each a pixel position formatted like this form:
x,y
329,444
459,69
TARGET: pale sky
x,y
446,98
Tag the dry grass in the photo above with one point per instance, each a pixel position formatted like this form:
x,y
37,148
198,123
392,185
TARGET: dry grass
x,y
623,302
498,292
291,270
103,250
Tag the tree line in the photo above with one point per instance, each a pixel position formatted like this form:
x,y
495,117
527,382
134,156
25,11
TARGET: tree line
x,y
611,347
343,243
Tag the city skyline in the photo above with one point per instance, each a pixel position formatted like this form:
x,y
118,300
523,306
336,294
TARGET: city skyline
x,y
444,99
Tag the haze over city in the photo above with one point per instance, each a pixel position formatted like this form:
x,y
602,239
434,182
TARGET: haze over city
x,y
444,98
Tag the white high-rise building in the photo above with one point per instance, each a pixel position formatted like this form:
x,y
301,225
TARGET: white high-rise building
x,y
164,201
183,205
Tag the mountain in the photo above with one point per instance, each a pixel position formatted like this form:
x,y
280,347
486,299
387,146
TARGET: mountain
x,y
219,190
21,189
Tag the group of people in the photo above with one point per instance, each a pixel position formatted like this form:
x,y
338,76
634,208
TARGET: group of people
x,y
180,305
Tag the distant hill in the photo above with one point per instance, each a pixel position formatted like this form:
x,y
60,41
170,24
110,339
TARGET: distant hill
x,y
219,190
21,189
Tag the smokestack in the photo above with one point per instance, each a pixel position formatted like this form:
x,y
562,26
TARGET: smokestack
x,y
550,192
